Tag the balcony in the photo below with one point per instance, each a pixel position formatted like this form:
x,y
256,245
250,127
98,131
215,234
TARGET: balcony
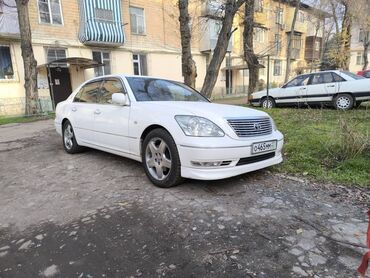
x,y
313,48
210,29
296,53
101,23
9,27
212,9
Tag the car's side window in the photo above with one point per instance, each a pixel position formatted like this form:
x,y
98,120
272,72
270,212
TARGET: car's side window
x,y
78,95
298,81
337,78
90,92
109,87
322,78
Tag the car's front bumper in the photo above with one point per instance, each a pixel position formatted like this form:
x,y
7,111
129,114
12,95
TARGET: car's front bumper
x,y
189,154
255,102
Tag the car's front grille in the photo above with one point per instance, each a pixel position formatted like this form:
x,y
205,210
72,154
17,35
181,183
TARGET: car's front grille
x,y
250,127
254,159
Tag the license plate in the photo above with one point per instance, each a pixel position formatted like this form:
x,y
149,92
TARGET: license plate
x,y
263,147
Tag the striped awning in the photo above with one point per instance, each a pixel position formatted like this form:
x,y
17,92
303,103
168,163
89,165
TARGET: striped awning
x,y
101,22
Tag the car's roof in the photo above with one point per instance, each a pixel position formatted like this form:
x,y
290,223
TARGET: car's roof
x,y
127,75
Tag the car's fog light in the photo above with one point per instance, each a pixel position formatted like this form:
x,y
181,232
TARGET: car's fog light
x,y
206,164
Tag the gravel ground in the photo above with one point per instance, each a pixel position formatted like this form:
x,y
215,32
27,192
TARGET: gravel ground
x,y
96,215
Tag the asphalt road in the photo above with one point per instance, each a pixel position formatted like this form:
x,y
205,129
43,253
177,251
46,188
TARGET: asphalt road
x,y
96,215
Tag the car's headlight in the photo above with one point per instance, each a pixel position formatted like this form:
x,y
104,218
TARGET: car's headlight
x,y
198,126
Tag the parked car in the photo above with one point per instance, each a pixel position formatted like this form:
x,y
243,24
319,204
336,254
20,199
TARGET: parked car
x,y
341,89
172,129
364,73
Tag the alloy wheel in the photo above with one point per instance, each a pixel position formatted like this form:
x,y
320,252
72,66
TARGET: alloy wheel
x,y
68,137
158,158
343,102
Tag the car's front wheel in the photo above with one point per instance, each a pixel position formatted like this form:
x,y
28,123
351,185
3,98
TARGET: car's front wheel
x,y
268,102
69,139
343,102
161,159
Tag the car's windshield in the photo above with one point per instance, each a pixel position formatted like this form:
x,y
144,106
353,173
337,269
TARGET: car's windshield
x,y
152,89
350,74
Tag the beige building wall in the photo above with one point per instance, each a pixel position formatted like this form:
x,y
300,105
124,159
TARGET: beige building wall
x,y
160,43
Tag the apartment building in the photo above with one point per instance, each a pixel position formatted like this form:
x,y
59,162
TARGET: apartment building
x,y
357,49
74,40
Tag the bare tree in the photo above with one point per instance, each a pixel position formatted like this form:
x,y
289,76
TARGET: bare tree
x,y
290,41
249,55
229,11
346,35
189,69
29,61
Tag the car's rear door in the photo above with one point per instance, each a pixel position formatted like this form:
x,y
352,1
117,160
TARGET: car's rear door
x,y
82,111
112,120
322,87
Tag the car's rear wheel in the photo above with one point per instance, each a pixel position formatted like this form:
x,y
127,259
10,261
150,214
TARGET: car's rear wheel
x,y
343,102
69,139
268,102
161,159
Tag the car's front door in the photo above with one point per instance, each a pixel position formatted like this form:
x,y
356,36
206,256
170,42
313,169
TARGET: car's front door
x,y
82,111
111,120
294,92
322,87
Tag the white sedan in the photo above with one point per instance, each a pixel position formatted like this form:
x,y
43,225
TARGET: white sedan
x,y
343,90
172,129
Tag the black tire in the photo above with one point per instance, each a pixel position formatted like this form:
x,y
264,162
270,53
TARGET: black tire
x,y
268,101
343,102
69,139
160,156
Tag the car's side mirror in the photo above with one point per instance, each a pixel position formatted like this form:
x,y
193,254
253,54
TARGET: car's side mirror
x,y
119,99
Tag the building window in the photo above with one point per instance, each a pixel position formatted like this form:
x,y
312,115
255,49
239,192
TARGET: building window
x,y
259,34
300,17
279,16
137,19
361,36
296,42
359,58
50,11
277,42
258,6
140,65
277,67
317,46
102,57
104,15
56,54
6,66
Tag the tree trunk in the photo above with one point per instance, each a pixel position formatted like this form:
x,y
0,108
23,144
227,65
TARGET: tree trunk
x,y
249,55
366,50
346,37
189,69
231,7
290,40
29,61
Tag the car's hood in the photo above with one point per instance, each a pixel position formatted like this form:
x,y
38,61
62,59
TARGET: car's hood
x,y
202,109
262,93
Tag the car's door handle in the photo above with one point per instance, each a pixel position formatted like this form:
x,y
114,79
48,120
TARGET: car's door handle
x,y
74,109
97,111
330,86
302,89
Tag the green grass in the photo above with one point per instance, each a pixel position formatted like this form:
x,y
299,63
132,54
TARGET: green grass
x,y
315,144
24,119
